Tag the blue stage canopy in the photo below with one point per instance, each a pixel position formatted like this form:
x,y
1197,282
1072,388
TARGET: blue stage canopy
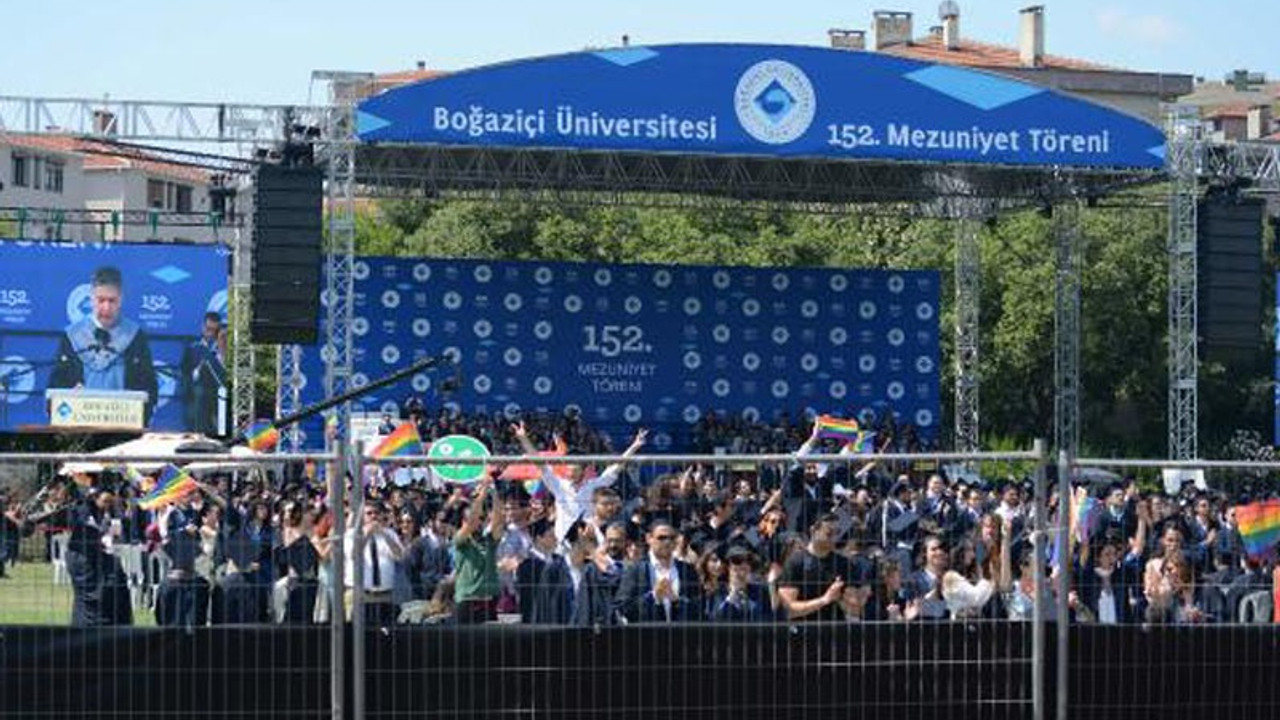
x,y
761,100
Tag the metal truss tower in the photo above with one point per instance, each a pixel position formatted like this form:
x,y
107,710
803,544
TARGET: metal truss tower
x,y
1183,149
238,312
1068,267
968,270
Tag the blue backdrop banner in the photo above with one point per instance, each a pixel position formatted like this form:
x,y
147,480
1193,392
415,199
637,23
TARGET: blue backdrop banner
x,y
45,288
654,346
770,100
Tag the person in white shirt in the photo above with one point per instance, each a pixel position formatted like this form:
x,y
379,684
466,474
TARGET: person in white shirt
x,y
573,494
382,552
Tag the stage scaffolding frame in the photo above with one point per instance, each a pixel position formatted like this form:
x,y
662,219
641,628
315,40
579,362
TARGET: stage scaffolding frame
x,y
668,180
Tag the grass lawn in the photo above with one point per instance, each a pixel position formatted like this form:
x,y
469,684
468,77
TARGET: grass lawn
x,y
29,597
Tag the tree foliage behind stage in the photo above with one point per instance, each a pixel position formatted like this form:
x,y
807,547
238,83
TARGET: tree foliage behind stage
x,y
1124,352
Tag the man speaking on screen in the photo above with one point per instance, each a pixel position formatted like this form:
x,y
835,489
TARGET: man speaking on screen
x,y
104,351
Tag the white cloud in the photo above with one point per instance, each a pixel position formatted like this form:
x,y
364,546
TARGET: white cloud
x,y
1149,29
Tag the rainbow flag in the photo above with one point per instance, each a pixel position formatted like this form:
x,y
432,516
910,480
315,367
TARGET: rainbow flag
x,y
262,437
134,476
531,474
174,484
401,443
837,428
1088,515
864,444
1259,526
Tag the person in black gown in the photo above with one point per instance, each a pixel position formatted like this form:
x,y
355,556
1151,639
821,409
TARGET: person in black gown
x,y
299,564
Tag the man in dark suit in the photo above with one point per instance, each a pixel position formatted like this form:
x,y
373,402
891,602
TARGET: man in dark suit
x,y
203,377
659,588
106,351
573,590
530,570
807,488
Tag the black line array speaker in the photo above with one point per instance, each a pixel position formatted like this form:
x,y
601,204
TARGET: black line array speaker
x,y
287,238
1229,260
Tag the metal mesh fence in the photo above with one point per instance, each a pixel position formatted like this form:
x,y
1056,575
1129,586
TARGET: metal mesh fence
x,y
683,587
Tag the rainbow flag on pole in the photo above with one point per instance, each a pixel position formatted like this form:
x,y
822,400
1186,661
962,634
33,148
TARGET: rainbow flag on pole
x,y
136,478
173,485
837,428
403,442
262,437
1259,526
863,444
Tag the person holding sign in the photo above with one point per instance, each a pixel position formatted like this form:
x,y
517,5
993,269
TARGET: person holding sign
x,y
573,495
105,351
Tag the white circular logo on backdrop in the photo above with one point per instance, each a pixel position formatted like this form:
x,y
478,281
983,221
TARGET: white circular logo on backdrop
x,y
751,362
79,304
542,330
391,408
750,414
360,326
21,377
750,307
513,302
896,284
775,102
422,272
867,309
896,337
482,384
542,385
721,333
662,278
720,279
511,410
780,335
631,413
512,357
838,336
542,275
838,390
692,360
924,364
391,299
359,380
452,300
867,363
692,306
421,383
924,418
809,362
895,391
326,297
391,354
632,305
809,309
603,277
421,327
839,283
781,282
483,273
482,328
572,303
720,388
360,270
691,414
924,311
780,388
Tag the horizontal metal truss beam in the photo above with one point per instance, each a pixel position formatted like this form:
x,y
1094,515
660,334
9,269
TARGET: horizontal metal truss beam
x,y
81,216
1257,162
576,177
154,121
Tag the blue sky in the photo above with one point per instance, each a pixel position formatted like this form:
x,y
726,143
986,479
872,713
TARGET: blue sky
x,y
263,51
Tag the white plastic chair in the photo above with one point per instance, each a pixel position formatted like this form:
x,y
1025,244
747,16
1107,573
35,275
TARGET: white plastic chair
x,y
131,561
158,566
1255,608
58,550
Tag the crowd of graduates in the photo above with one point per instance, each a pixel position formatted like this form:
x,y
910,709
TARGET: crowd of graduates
x,y
833,536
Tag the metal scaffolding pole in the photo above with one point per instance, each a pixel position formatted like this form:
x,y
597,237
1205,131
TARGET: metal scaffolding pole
x,y
1069,244
238,315
968,271
289,382
1183,159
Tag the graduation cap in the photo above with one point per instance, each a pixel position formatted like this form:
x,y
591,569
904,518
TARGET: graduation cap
x,y
861,572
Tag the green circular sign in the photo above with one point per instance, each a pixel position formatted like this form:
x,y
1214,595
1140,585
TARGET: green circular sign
x,y
459,446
